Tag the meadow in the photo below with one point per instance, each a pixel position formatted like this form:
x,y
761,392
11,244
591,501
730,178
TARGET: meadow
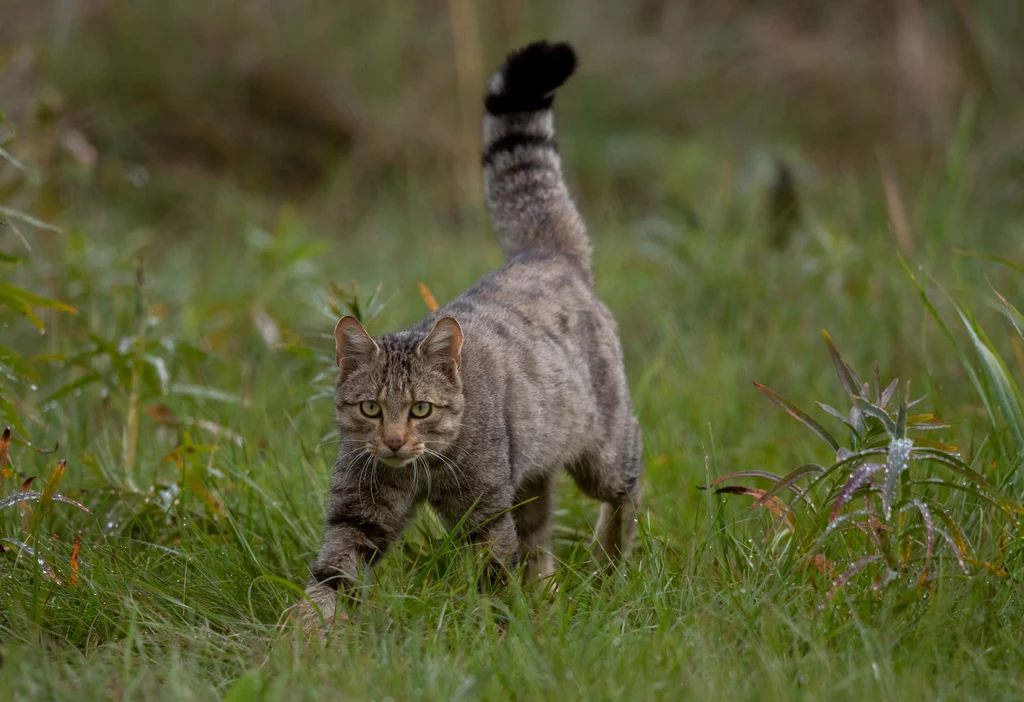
x,y
192,195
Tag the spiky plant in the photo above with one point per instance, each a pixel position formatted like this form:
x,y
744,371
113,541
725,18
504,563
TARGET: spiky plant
x,y
885,482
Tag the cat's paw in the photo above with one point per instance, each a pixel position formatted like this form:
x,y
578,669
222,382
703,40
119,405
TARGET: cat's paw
x,y
318,612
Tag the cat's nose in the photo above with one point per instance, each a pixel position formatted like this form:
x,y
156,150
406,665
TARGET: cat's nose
x,y
394,442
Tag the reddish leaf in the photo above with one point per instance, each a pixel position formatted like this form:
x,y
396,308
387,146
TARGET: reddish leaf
x,y
772,504
428,298
74,560
25,511
995,570
789,482
823,565
46,498
5,445
859,478
929,531
742,474
161,414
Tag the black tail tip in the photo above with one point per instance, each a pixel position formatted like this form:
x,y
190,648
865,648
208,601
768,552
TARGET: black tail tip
x,y
529,76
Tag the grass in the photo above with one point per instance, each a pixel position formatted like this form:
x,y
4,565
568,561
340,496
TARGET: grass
x,y
190,399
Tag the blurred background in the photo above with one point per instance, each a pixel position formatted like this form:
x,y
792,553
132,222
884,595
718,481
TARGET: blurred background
x,y
338,105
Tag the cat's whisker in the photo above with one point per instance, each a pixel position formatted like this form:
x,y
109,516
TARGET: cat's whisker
x,y
454,447
335,442
416,475
345,455
445,463
360,470
426,470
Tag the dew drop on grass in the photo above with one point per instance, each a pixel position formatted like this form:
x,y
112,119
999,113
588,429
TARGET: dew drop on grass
x,y
33,387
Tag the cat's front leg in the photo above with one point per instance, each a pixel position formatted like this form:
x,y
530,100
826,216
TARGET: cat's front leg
x,y
488,523
358,532
499,535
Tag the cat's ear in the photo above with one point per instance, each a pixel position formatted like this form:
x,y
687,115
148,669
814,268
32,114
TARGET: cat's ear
x,y
443,344
353,343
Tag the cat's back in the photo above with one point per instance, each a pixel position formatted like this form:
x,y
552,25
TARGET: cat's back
x,y
540,301
541,358
540,321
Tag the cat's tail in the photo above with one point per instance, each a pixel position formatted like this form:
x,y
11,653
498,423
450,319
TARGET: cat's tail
x,y
526,192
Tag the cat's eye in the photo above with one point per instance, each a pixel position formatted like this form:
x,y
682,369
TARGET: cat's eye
x,y
370,409
420,410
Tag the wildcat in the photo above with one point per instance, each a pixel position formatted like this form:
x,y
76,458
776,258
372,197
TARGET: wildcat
x,y
474,408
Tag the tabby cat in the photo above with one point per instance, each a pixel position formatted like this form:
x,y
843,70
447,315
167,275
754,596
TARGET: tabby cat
x,y
475,408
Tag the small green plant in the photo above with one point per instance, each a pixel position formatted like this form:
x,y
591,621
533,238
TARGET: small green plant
x,y
883,491
339,301
15,370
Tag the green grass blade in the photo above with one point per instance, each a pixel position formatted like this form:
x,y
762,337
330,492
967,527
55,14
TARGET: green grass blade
x,y
46,497
9,157
1008,396
990,257
13,292
12,213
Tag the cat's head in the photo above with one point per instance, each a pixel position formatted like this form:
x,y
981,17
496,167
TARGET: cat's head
x,y
400,396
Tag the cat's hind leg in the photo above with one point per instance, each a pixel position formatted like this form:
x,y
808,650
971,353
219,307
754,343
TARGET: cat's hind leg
x,y
611,474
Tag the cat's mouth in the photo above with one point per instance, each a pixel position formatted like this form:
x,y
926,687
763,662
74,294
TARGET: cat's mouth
x,y
396,459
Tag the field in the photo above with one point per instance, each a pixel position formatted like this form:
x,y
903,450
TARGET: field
x,y
192,196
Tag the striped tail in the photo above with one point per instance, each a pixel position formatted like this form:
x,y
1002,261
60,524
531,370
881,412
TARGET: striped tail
x,y
526,192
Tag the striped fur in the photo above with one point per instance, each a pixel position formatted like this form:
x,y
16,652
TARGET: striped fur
x,y
526,191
